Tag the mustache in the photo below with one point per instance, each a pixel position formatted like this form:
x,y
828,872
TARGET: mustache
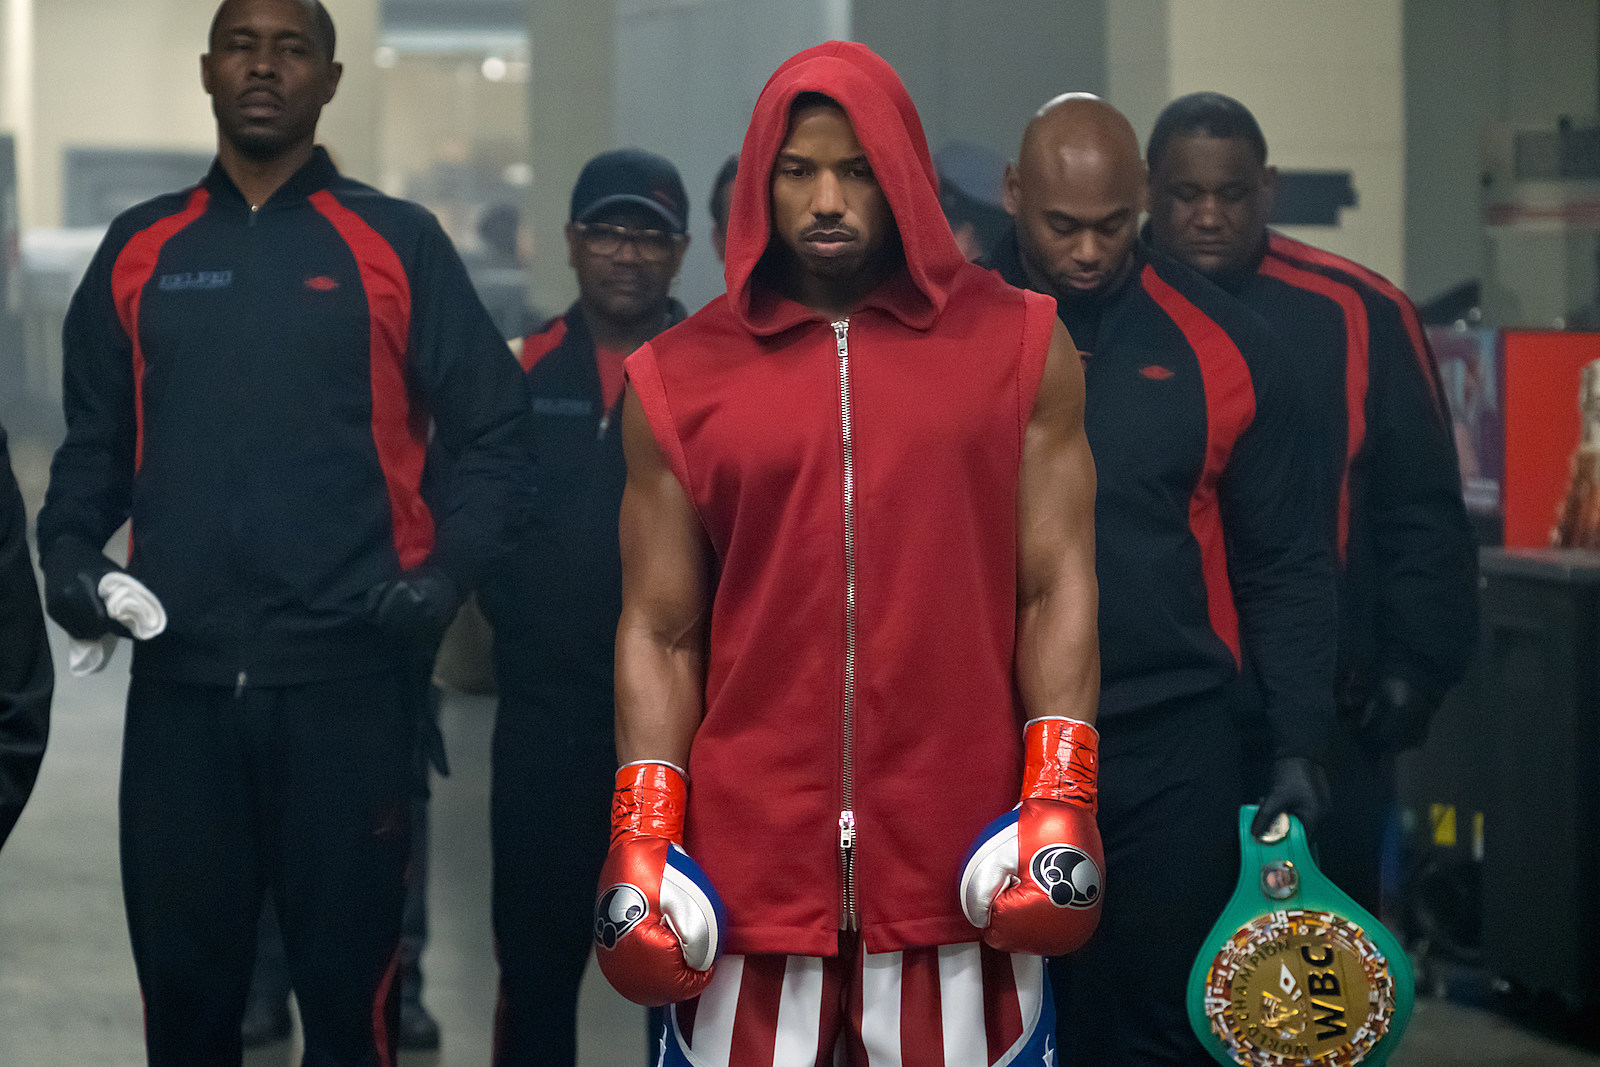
x,y
829,230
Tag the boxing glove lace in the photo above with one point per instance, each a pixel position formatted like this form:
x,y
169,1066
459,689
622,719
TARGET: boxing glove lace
x,y
1033,882
658,921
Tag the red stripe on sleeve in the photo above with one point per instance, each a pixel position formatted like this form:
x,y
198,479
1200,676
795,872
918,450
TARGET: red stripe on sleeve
x,y
1355,369
1316,257
536,346
135,265
399,428
1230,407
755,1019
1002,1009
921,1022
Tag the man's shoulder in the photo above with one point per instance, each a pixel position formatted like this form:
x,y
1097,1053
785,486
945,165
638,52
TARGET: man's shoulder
x,y
385,213
1192,301
534,347
157,209
1372,286
1300,303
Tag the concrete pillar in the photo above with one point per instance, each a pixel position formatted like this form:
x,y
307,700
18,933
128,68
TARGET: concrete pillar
x,y
977,72
572,116
1138,61
16,89
350,125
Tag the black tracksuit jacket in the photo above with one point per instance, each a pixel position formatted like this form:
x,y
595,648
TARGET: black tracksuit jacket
x,y
555,600
254,388
26,677
1408,605
1208,535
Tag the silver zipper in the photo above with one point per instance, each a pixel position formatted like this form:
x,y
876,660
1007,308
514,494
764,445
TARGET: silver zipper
x,y
848,920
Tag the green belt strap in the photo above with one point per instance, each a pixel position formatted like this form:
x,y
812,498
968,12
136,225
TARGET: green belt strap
x,y
1295,972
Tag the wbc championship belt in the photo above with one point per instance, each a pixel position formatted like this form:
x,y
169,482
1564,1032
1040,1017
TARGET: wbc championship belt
x,y
1295,972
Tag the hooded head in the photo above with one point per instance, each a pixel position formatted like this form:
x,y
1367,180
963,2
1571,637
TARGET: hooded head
x,y
886,124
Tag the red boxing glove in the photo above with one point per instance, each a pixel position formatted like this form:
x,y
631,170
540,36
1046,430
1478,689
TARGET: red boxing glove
x,y
1033,881
658,922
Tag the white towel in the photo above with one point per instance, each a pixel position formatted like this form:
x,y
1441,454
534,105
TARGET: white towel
x,y
130,603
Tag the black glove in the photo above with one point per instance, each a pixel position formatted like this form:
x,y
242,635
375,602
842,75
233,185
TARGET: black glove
x,y
72,596
1299,788
417,606
1395,718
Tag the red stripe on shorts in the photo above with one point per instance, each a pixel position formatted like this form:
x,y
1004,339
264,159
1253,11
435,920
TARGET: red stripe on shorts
x,y
921,1022
1002,1010
755,1020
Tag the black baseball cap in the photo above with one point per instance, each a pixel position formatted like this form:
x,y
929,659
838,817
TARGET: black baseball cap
x,y
631,176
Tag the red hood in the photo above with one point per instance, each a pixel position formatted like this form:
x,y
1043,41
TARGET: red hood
x,y
887,125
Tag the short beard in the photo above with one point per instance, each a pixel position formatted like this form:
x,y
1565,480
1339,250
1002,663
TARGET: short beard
x,y
832,268
266,146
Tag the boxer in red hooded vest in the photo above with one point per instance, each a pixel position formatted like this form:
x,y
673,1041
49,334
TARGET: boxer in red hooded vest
x,y
858,623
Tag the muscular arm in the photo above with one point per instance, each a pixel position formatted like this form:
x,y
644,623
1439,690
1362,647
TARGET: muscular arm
x,y
1058,652
661,636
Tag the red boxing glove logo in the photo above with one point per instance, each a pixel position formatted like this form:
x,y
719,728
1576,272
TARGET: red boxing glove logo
x,y
621,908
1032,881
1069,876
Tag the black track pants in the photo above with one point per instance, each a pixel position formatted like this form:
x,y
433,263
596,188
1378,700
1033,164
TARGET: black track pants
x,y
1169,820
554,762
305,789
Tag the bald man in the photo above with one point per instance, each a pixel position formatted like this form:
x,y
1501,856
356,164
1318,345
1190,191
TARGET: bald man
x,y
251,368
1204,557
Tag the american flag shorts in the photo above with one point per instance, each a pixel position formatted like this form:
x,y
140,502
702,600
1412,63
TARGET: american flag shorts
x,y
944,1006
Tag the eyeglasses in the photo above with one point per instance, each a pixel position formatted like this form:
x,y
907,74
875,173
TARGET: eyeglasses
x,y
603,239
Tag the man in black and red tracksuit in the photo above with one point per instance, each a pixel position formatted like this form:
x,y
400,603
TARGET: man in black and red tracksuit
x,y
250,370
1375,413
26,677
553,602
1204,554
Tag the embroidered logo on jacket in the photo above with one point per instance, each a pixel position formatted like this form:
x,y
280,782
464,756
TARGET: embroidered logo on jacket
x,y
561,405
195,279
322,283
1155,372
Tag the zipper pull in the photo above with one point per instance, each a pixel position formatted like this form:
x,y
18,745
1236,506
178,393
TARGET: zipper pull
x,y
847,830
605,421
841,327
238,690
255,210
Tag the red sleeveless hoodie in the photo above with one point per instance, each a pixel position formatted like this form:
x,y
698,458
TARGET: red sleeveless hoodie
x,y
858,483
